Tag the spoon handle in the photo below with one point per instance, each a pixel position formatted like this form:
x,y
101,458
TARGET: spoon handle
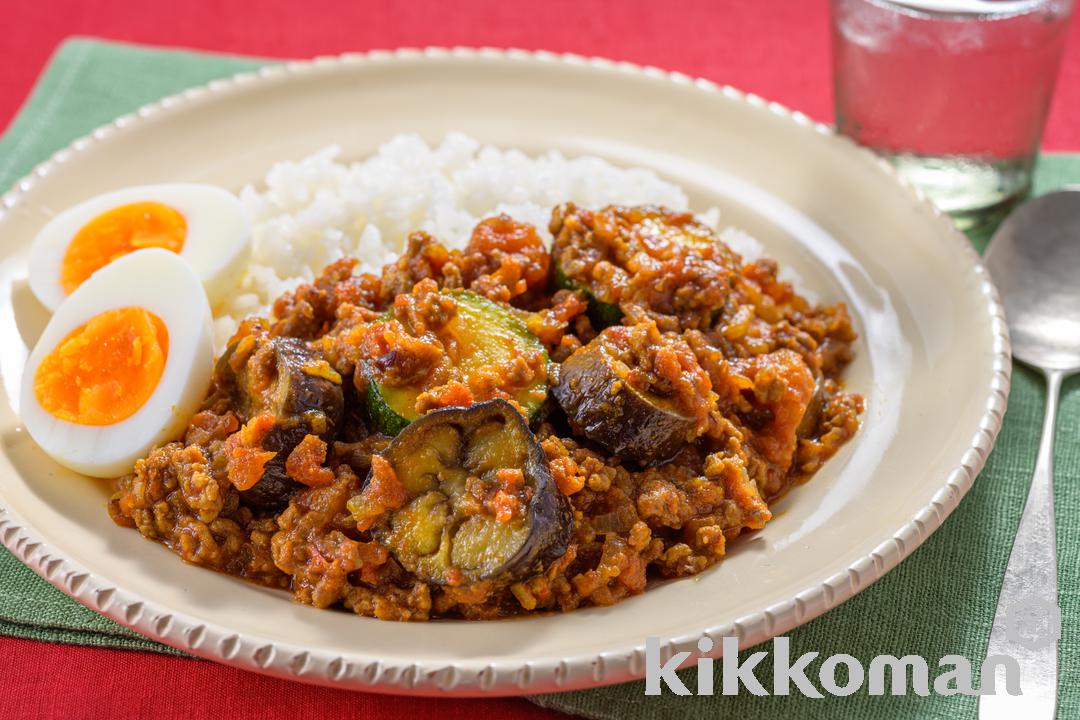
x,y
1027,623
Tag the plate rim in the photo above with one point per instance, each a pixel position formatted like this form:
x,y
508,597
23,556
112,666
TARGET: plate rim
x,y
471,678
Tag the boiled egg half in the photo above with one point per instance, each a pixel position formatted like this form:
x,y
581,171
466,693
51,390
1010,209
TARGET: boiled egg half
x,y
203,224
122,365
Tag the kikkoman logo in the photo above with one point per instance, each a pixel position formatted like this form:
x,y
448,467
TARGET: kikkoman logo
x,y
844,674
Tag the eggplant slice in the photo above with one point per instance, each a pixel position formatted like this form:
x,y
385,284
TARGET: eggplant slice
x,y
601,403
811,419
449,461
293,385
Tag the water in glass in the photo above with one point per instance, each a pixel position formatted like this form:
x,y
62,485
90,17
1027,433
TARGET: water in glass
x,y
954,92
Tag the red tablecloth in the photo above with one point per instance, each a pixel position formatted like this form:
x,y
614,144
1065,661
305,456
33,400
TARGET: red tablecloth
x,y
775,48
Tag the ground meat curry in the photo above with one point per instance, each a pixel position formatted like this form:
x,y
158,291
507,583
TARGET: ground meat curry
x,y
506,429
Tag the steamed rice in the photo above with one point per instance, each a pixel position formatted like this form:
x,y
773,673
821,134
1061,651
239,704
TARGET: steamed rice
x,y
312,212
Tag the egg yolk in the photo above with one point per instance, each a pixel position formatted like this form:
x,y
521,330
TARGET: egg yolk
x,y
105,370
118,232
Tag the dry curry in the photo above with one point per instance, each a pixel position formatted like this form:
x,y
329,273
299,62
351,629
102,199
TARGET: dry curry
x,y
505,429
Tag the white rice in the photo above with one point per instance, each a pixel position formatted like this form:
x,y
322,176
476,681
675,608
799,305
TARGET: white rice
x,y
315,211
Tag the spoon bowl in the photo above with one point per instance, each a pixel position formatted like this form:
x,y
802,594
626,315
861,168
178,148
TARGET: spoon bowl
x,y
1034,259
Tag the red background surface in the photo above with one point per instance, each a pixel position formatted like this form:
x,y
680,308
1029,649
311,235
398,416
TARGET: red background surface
x,y
776,48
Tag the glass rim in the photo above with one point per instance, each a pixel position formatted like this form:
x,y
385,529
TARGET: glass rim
x,y
985,10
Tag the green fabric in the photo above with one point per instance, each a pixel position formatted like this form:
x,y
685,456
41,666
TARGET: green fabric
x,y
938,602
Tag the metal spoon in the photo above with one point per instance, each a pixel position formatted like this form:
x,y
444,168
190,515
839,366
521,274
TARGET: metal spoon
x,y
1034,258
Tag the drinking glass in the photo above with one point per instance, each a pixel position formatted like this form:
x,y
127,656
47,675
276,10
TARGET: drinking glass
x,y
953,92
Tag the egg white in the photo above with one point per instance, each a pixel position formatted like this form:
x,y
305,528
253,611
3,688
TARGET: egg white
x,y
160,282
217,244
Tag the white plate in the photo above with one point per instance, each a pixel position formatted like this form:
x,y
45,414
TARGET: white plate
x,y
932,359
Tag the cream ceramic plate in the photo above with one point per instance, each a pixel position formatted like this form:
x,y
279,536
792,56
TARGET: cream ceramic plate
x,y
932,360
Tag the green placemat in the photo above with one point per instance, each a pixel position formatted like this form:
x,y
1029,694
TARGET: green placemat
x,y
938,602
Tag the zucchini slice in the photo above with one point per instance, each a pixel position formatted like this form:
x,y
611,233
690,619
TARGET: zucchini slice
x,y
665,262
602,314
485,334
